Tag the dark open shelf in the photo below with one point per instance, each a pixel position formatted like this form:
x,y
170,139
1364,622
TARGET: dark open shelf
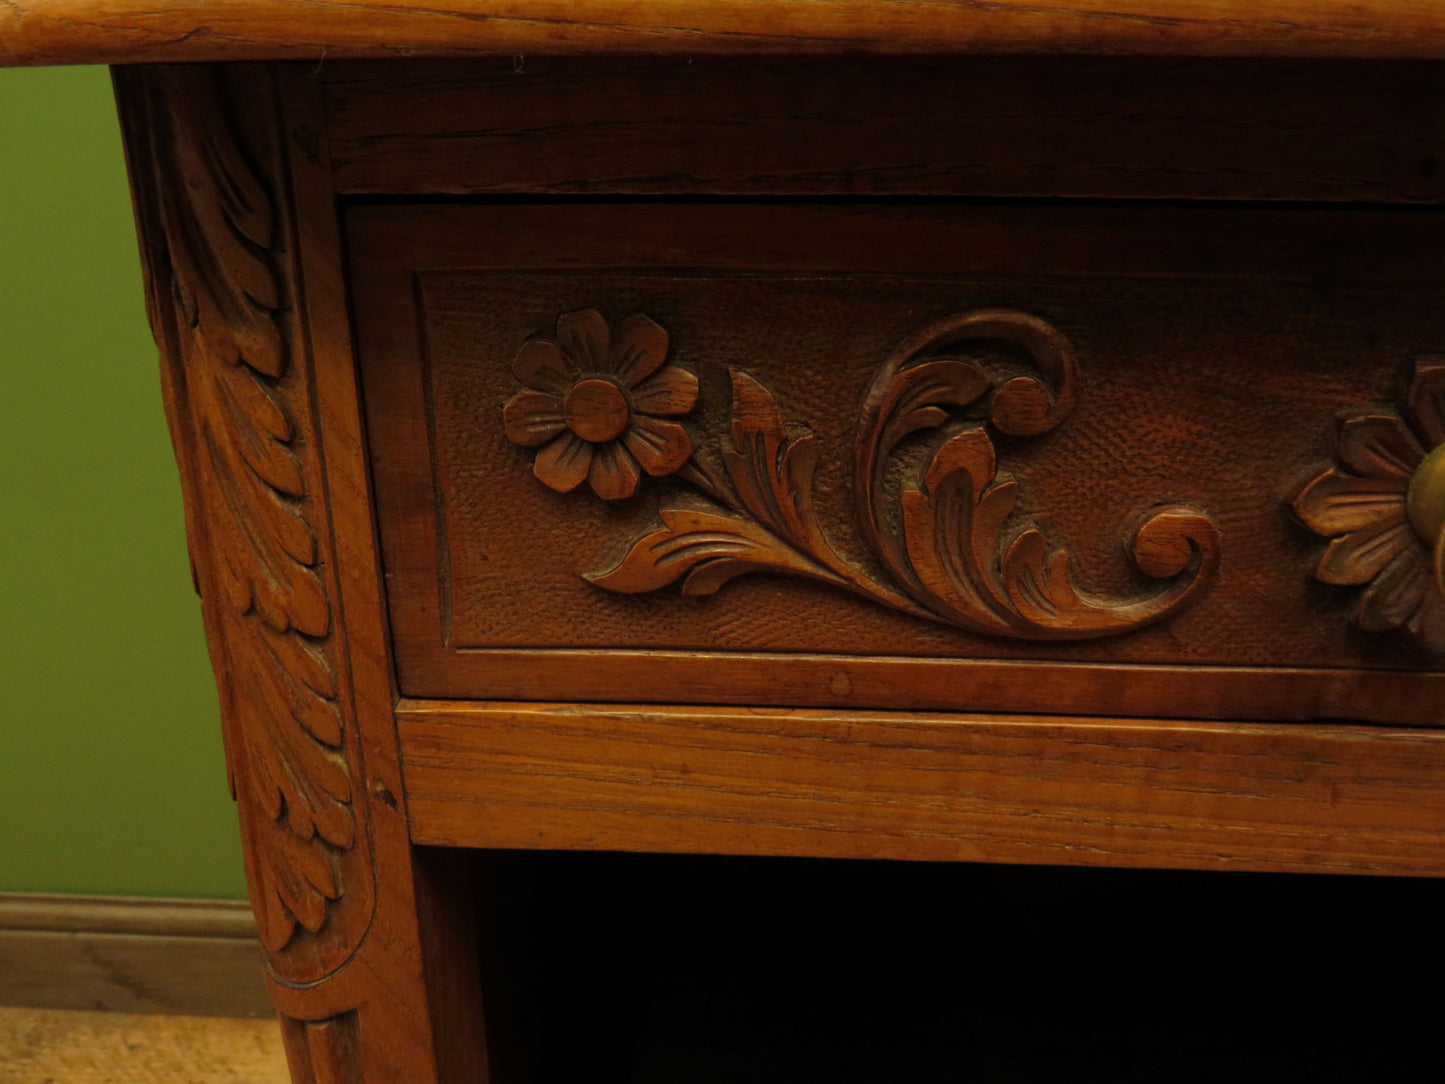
x,y
693,970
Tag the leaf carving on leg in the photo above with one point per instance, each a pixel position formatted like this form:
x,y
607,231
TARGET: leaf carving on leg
x,y
225,243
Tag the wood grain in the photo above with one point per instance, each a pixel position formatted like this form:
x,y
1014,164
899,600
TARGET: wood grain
x,y
1068,791
1110,127
323,1051
121,31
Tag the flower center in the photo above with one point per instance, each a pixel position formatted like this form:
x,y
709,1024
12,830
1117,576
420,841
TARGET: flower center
x,y
597,409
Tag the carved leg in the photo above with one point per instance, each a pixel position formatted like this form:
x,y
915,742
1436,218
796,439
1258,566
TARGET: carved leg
x,y
249,311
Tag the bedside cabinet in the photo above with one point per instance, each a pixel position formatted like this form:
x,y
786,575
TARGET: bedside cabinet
x,y
759,445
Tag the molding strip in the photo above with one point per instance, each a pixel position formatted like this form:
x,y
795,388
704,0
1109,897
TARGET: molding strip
x,y
128,954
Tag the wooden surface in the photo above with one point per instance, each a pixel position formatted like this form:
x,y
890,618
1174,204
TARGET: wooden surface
x,y
117,31
1109,127
130,955
1146,385
1065,791
48,1046
1207,360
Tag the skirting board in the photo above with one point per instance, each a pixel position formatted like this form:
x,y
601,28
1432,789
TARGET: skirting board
x,y
119,954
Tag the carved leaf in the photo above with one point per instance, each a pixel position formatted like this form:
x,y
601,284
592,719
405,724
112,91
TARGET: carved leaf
x,y
915,397
1333,502
773,474
1425,398
953,516
222,237
709,548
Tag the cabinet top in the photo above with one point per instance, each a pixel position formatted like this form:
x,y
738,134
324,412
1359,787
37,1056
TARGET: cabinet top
x,y
129,31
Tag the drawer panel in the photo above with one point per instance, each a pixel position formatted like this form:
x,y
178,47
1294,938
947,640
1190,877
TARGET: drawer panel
x,y
998,457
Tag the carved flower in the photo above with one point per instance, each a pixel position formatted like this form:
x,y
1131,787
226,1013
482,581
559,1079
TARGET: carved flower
x,y
593,400
1382,507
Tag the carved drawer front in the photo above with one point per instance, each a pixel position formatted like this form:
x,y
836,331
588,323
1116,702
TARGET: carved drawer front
x,y
1124,460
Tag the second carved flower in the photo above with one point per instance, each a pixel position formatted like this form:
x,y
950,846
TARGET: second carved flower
x,y
1383,508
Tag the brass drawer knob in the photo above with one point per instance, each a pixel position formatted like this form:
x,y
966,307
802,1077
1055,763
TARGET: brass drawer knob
x,y
1425,508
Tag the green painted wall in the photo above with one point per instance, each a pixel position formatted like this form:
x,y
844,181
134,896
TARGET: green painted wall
x,y
111,771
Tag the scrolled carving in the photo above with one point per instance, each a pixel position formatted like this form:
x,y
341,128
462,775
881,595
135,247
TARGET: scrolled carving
x,y
1382,505
243,390
934,510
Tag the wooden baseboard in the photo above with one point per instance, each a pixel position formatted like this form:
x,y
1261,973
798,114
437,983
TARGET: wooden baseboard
x,y
119,954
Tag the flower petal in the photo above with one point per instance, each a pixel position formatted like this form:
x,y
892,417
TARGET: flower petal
x,y
614,472
661,447
1359,555
1428,624
1426,399
672,391
1396,593
1379,446
563,463
583,336
533,417
541,365
639,351
1333,503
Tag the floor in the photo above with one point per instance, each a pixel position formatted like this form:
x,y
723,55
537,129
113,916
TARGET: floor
x,y
53,1046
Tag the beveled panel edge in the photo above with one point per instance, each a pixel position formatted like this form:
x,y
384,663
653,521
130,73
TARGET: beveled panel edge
x,y
1135,690
1187,242
1007,788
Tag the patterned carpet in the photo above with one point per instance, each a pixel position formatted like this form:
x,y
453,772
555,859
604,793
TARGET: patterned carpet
x,y
51,1046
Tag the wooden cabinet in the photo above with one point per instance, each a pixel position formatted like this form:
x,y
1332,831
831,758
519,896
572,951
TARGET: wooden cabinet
x,y
961,458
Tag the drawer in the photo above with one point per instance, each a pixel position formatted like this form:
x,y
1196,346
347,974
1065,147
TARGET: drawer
x,y
1127,460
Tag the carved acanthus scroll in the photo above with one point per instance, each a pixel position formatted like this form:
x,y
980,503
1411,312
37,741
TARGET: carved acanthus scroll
x,y
241,415
934,510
